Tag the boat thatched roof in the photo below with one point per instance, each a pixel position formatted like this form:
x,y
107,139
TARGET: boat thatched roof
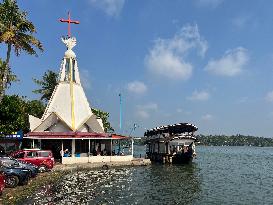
x,y
178,128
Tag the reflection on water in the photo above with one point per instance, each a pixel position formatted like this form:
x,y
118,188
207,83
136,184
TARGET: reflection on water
x,y
174,184
219,175
236,175
154,184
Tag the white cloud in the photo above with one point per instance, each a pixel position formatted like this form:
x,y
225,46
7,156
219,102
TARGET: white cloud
x,y
242,100
167,56
137,87
149,106
143,114
144,111
179,110
240,21
230,64
269,96
207,117
184,112
199,96
209,3
110,7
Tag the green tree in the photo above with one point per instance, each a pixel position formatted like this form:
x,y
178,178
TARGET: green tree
x,y
35,108
104,116
14,112
16,31
9,78
47,84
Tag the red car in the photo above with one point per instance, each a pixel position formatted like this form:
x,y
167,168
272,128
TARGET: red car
x,y
2,182
43,159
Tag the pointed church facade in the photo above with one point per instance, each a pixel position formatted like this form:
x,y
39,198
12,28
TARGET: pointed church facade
x,y
69,124
68,108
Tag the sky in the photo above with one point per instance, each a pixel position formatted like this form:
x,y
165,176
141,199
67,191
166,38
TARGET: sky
x,y
206,62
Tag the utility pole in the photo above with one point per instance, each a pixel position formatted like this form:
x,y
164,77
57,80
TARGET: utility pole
x,y
120,112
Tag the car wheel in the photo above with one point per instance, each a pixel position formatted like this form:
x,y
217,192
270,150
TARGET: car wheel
x,y
42,168
11,181
26,181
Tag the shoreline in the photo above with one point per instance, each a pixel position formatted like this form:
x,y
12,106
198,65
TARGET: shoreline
x,y
103,165
21,193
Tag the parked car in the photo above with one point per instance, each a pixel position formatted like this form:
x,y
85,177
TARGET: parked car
x,y
2,182
14,175
17,163
43,159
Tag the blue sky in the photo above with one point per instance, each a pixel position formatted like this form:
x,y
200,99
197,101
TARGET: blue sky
x,y
207,62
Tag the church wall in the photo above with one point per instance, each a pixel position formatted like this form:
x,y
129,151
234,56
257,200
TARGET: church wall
x,y
83,128
59,127
96,159
94,124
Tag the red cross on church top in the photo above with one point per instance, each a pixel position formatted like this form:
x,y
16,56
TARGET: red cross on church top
x,y
69,21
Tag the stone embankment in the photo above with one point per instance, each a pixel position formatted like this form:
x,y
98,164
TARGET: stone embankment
x,y
104,165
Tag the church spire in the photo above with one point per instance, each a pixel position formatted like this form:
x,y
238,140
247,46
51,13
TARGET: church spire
x,y
68,108
69,69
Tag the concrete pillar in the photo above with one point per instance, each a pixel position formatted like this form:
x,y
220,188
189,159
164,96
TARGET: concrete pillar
x,y
73,148
132,147
88,149
111,150
40,143
111,147
62,151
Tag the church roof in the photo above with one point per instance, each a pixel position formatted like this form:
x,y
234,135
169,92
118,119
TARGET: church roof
x,y
74,135
68,108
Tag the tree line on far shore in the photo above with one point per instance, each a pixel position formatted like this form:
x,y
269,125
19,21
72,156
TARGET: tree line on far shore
x,y
234,140
224,140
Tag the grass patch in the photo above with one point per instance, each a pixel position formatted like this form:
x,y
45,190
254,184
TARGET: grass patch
x,y
18,194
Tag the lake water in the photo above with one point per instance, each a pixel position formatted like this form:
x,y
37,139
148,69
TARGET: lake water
x,y
219,175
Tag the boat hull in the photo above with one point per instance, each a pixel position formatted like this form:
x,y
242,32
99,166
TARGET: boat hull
x,y
180,158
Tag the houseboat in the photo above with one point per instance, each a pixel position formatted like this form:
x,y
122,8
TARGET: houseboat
x,y
171,143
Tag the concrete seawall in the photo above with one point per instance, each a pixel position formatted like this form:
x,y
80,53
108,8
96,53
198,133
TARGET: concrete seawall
x,y
104,165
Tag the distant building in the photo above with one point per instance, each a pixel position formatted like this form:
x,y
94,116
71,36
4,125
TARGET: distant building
x,y
10,141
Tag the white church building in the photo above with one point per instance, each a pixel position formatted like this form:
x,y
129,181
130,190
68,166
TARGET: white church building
x,y
68,122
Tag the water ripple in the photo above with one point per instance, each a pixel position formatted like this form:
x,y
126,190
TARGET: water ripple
x,y
220,175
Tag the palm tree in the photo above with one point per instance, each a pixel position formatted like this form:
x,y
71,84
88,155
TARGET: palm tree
x,y
48,83
16,31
